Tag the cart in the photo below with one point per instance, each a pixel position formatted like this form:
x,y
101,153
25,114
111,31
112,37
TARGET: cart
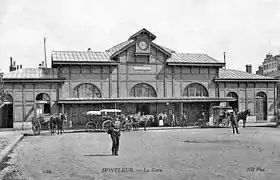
x,y
111,114
94,120
220,115
39,121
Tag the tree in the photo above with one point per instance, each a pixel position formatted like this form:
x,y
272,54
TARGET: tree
x,y
2,91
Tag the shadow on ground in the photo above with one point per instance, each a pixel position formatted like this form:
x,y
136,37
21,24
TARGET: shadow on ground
x,y
97,155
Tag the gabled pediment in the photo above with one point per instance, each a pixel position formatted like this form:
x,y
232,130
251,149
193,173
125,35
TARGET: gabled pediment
x,y
135,40
141,32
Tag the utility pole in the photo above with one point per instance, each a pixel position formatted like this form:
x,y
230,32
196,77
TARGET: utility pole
x,y
45,52
225,60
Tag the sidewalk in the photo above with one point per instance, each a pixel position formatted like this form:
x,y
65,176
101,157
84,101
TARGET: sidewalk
x,y
8,140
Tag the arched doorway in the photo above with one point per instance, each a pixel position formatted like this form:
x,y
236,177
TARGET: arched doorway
x,y
43,104
7,113
261,106
143,90
233,104
194,110
85,90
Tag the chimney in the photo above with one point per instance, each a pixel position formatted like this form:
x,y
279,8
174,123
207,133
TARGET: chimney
x,y
14,63
20,66
268,56
249,68
11,64
17,67
43,64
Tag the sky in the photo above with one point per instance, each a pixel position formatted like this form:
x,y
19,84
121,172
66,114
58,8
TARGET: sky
x,y
245,30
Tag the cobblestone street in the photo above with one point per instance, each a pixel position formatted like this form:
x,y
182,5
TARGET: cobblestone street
x,y
167,154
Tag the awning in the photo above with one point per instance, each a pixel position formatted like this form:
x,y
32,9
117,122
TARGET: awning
x,y
143,100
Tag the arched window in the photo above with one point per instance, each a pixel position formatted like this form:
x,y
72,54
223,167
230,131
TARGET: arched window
x,y
43,104
8,99
233,95
86,91
143,90
261,95
233,104
195,90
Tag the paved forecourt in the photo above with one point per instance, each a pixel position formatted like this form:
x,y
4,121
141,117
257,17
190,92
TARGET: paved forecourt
x,y
159,154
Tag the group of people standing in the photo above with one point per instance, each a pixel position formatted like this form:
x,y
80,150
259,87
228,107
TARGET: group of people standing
x,y
172,119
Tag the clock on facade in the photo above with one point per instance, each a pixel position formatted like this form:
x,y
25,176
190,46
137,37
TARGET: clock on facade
x,y
143,45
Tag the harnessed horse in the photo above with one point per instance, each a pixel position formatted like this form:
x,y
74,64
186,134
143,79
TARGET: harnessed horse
x,y
137,119
58,122
243,115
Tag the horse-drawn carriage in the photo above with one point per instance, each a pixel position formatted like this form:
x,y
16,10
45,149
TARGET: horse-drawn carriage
x,y
220,116
101,120
49,121
39,122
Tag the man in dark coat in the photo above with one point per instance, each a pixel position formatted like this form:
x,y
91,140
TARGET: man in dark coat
x,y
233,123
115,132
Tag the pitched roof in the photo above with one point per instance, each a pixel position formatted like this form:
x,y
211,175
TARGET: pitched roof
x,y
81,56
167,49
237,75
191,58
32,73
119,46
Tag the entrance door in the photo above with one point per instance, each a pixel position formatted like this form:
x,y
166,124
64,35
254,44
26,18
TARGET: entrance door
x,y
7,116
143,108
261,106
194,111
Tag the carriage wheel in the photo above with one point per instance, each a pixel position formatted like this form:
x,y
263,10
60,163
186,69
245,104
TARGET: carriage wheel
x,y
106,125
127,127
90,126
36,127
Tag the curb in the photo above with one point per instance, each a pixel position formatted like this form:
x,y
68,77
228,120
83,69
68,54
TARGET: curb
x,y
10,147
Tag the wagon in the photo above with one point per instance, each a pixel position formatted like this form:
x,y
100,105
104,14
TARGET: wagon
x,y
39,121
114,113
219,115
94,120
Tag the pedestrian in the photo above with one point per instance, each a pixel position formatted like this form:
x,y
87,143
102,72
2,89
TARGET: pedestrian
x,y
165,118
184,120
173,118
115,132
233,123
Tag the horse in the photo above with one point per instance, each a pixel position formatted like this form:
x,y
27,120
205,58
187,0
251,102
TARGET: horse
x,y
58,122
134,120
137,119
243,115
146,119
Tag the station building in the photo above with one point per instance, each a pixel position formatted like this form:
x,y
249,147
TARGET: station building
x,y
135,75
